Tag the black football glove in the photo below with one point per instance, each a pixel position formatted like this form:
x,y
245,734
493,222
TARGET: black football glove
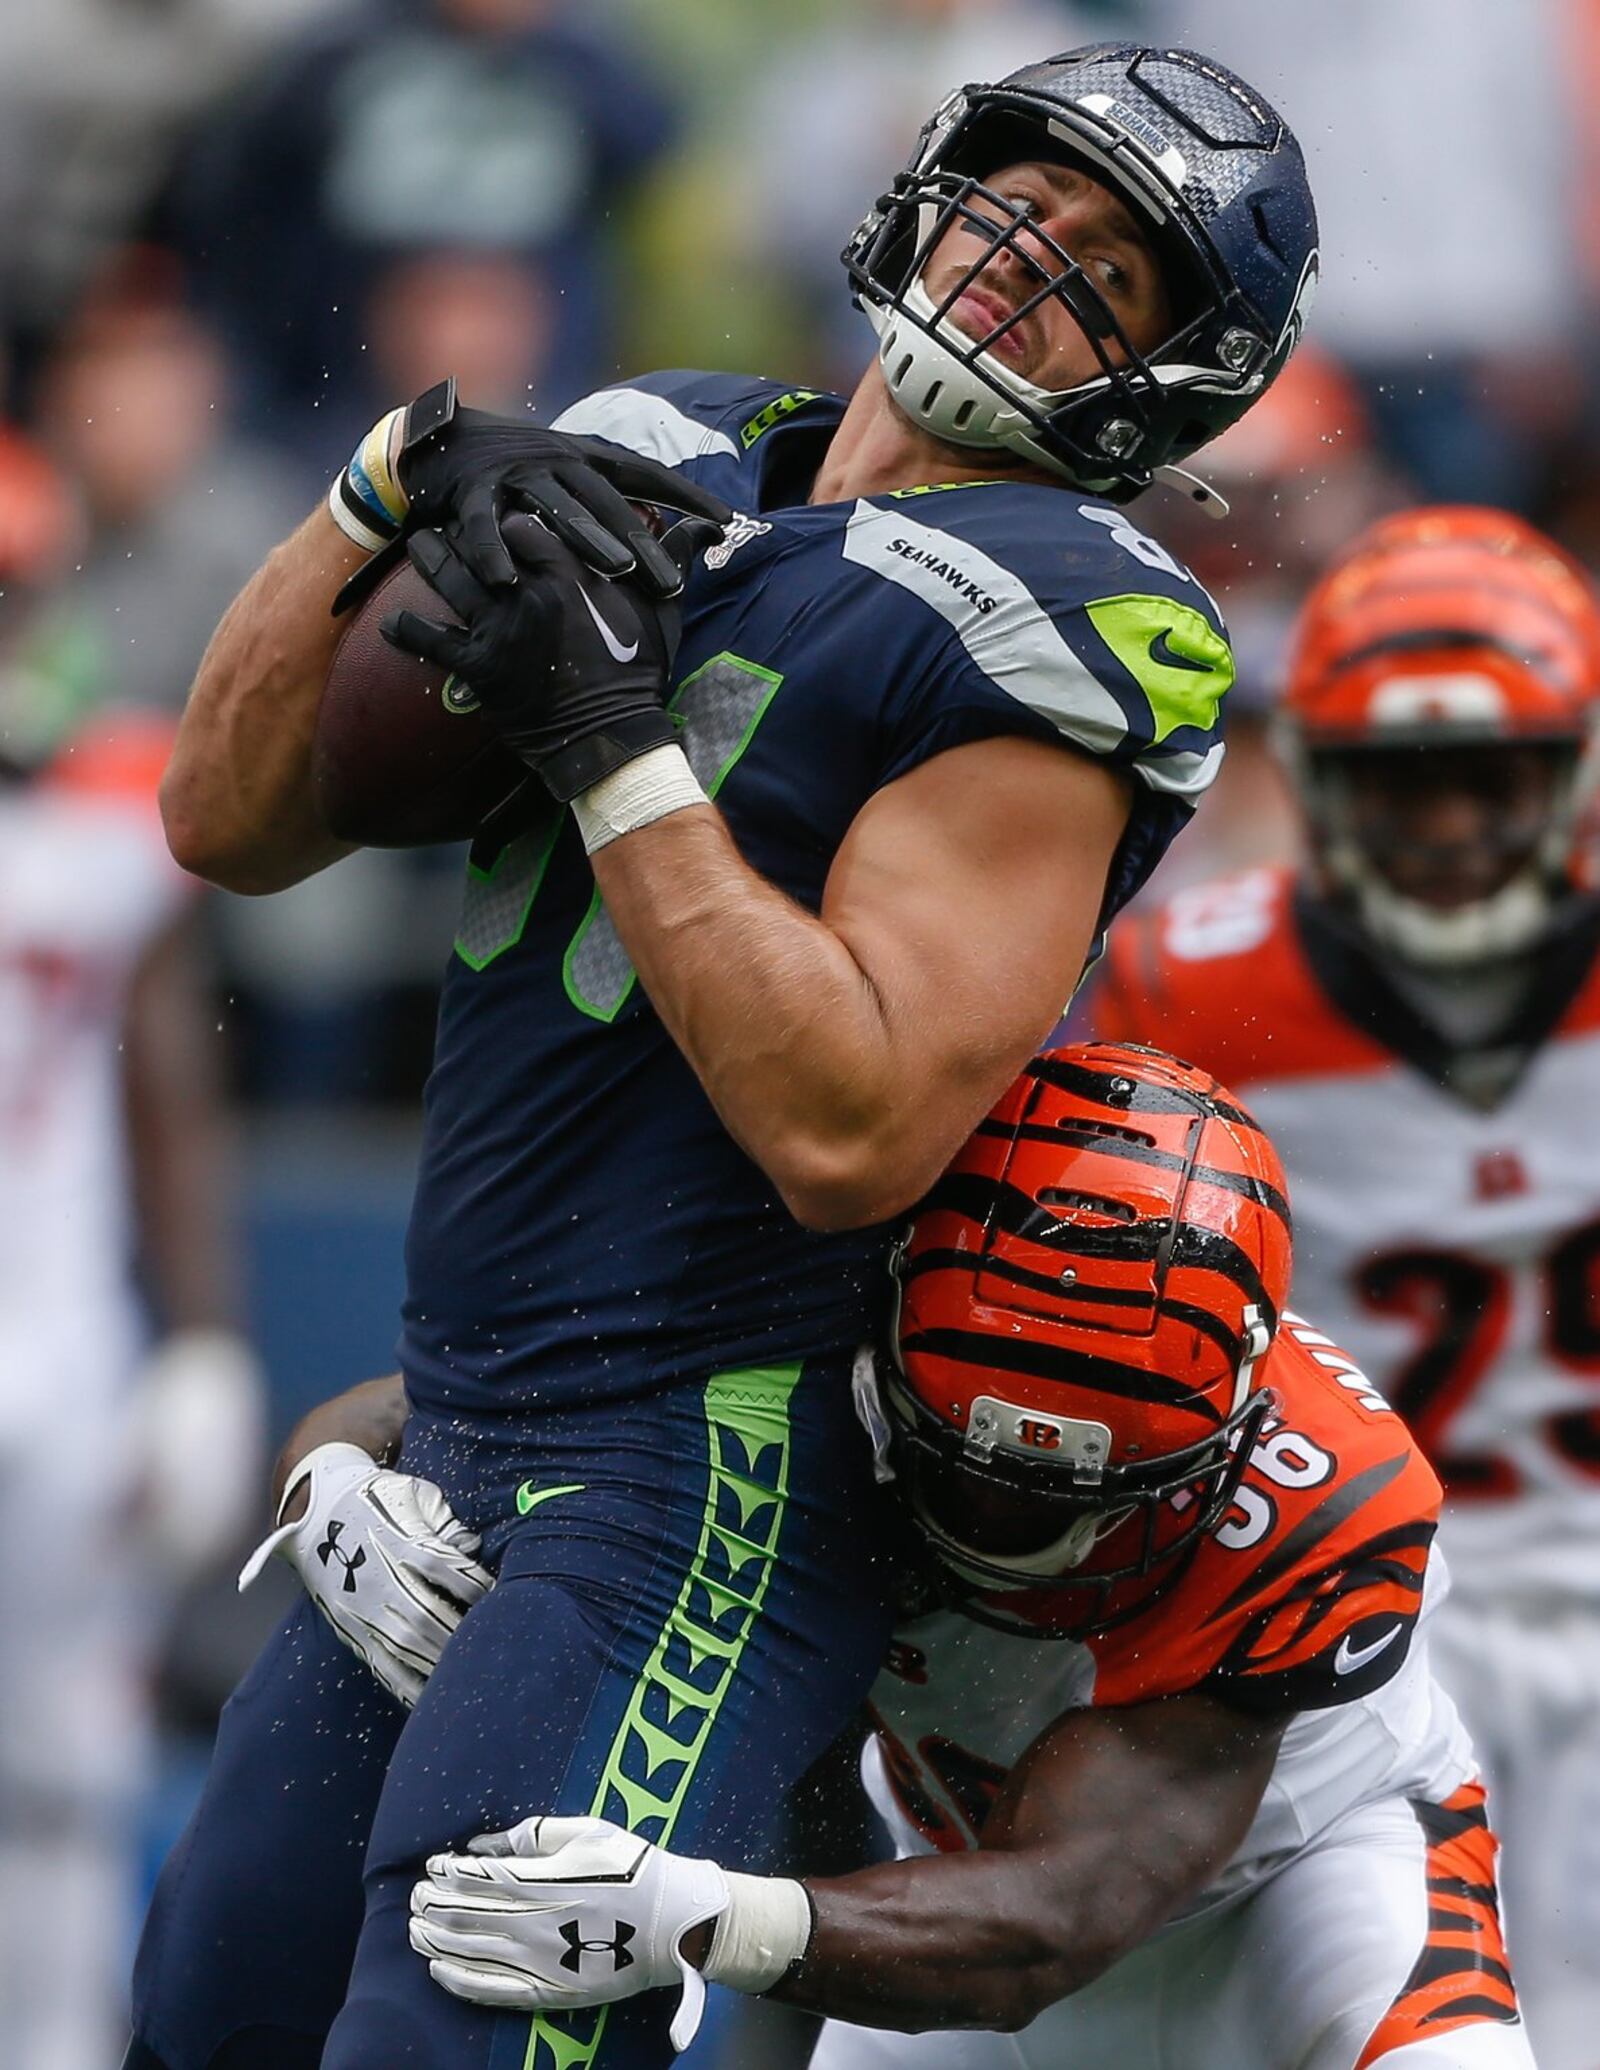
x,y
467,469
466,465
573,669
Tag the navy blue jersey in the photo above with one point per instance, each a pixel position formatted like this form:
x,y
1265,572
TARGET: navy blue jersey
x,y
583,1223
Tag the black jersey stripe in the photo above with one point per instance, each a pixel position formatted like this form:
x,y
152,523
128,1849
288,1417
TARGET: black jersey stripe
x,y
1442,1822
1053,1362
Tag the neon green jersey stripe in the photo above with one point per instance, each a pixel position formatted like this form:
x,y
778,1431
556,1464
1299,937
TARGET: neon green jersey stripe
x,y
644,1784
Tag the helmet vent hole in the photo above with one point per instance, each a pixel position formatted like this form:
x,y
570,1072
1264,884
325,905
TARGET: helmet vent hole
x,y
1075,1125
903,369
933,395
1089,1203
963,416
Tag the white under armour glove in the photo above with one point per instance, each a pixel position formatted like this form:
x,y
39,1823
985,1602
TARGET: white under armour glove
x,y
567,1912
199,1433
383,1557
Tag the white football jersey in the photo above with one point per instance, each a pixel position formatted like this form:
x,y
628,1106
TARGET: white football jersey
x,y
1453,1245
1311,1596
86,885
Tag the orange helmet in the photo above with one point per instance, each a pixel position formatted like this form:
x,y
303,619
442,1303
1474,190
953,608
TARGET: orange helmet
x,y
1446,627
1084,1300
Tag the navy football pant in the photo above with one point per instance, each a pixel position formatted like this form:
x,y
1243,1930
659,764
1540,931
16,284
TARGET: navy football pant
x,y
692,1599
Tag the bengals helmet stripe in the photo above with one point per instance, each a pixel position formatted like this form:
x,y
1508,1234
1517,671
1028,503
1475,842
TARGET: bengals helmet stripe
x,y
1113,1090
1385,634
986,1356
1087,1136
990,1204
1084,1299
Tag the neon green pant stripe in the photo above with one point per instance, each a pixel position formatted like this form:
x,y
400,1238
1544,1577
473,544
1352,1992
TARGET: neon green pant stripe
x,y
645,1781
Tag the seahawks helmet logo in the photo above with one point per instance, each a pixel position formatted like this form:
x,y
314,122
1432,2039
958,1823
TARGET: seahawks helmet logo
x,y
1304,295
457,696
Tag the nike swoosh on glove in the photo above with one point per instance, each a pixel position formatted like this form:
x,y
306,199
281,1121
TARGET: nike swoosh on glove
x,y
573,670
384,1558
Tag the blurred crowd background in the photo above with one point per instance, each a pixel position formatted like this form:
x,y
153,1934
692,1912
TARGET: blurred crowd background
x,y
232,231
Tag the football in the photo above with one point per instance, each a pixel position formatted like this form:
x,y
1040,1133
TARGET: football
x,y
402,754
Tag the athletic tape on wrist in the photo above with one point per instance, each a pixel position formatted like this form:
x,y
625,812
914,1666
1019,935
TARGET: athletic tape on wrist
x,y
366,501
639,793
763,1930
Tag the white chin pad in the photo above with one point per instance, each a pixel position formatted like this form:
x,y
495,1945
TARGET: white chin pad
x,y
1507,924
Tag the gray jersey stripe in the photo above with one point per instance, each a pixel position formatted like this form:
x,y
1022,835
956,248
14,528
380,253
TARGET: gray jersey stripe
x,y
1002,625
645,424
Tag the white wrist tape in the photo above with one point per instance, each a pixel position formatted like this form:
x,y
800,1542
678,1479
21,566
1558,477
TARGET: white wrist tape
x,y
762,1931
640,792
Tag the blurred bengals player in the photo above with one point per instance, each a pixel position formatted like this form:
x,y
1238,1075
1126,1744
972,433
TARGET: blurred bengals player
x,y
1224,1820
1416,1018
127,1461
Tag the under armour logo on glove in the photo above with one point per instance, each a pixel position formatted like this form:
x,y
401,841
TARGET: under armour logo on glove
x,y
331,1549
571,1931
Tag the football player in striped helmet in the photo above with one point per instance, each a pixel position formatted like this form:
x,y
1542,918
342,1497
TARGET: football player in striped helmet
x,y
1438,719
1416,1018
1166,1670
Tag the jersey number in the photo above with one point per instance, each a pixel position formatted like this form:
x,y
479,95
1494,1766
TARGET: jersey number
x,y
719,708
1462,1305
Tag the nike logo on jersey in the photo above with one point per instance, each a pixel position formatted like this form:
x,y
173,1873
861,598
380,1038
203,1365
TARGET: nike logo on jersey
x,y
1165,655
529,1496
1349,1658
614,646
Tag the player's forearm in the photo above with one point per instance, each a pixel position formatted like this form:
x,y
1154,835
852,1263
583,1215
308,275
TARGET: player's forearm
x,y
977,1940
783,1027
237,799
372,1415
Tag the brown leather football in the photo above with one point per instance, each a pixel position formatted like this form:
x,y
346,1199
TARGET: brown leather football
x,y
402,754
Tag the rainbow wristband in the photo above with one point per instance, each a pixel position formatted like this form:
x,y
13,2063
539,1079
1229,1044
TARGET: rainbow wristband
x,y
366,501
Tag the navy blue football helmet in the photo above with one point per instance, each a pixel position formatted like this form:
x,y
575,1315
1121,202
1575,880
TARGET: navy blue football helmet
x,y
1205,164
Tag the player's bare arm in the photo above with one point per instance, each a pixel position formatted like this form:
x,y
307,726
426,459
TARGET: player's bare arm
x,y
372,1415
238,801
1110,1821
237,798
850,1051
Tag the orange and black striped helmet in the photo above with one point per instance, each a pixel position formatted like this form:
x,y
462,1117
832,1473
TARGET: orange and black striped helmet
x,y
1441,625
1083,1303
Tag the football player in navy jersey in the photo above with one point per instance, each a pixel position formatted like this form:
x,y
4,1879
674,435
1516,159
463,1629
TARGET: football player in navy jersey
x,y
816,838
